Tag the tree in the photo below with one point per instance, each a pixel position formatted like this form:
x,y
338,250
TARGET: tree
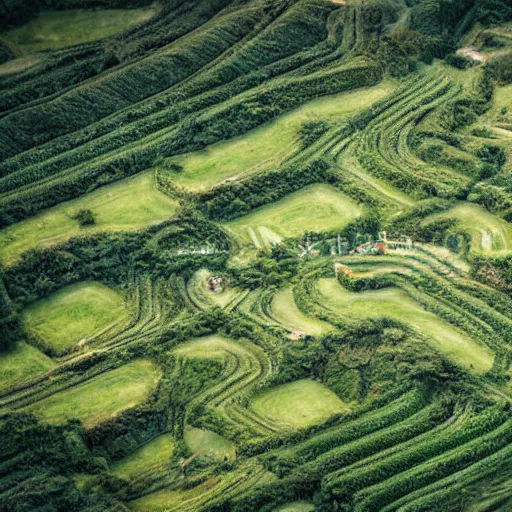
x,y
10,325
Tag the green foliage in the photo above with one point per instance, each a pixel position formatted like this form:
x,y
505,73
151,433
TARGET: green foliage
x,y
41,461
458,61
272,270
493,155
5,53
501,69
85,218
311,131
269,364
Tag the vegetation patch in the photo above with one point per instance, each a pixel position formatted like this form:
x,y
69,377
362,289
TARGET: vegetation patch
x,y
127,205
314,208
101,398
59,29
152,456
298,404
490,235
73,314
297,506
398,305
285,311
208,442
163,500
21,363
266,147
19,64
206,347
201,293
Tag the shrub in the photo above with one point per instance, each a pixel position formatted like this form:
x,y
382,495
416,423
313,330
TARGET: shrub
x,y
85,217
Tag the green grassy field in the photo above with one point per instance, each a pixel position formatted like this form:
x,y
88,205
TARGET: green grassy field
x,y
153,455
298,404
297,506
266,147
396,304
126,205
73,314
206,347
286,312
198,289
165,500
59,29
314,208
20,363
19,64
102,397
490,235
199,440
502,99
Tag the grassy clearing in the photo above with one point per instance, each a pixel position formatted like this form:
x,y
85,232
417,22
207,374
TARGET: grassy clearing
x,y
490,235
200,292
268,146
166,500
499,120
465,77
396,304
207,347
126,205
297,506
314,208
72,314
19,64
298,404
502,99
102,397
286,312
59,29
21,363
154,454
199,440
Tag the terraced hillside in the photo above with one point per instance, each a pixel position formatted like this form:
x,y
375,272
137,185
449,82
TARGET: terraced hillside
x,y
255,255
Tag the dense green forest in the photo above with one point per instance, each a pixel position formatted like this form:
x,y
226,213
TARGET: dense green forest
x,y
256,255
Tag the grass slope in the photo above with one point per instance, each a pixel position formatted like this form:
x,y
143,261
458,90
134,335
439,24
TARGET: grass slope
x,y
314,208
398,305
297,506
199,440
154,454
198,289
126,205
490,235
266,147
298,404
20,363
206,347
101,398
59,29
72,314
165,500
19,64
286,312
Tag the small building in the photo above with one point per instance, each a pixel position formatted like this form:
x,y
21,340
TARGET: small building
x,y
375,248
215,283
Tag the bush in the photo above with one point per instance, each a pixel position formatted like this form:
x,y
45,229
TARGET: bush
x,y
458,61
85,217
502,68
494,155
